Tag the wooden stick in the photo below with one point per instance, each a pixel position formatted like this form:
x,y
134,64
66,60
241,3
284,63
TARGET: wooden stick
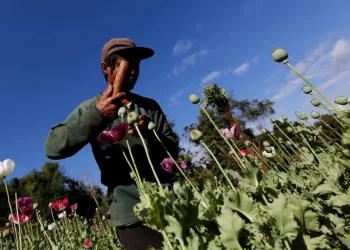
x,y
120,77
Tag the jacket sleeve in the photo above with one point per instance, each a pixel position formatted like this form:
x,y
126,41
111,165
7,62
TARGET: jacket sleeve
x,y
165,133
67,138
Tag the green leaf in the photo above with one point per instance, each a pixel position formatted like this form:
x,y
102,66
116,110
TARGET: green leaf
x,y
326,188
307,218
230,226
345,240
316,242
243,204
283,218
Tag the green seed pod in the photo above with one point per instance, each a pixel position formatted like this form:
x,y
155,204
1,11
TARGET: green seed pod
x,y
307,90
194,99
284,118
265,130
132,118
151,126
231,152
315,115
272,133
315,102
316,132
280,139
266,144
196,135
288,143
290,129
272,120
248,143
341,100
297,145
279,55
303,117
121,111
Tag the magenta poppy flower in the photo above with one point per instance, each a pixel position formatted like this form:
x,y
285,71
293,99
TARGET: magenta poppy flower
x,y
24,201
115,135
108,215
168,165
331,142
27,210
70,216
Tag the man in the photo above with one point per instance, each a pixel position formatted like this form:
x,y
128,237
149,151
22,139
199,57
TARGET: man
x,y
100,113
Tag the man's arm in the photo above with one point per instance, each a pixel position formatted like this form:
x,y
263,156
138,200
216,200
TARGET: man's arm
x,y
67,138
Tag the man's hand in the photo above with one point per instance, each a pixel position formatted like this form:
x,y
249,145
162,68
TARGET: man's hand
x,y
143,126
109,104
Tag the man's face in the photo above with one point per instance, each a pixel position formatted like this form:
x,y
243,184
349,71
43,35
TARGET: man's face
x,y
134,73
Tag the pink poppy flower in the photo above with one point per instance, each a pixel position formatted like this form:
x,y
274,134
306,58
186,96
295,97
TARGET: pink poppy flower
x,y
21,219
229,133
108,215
74,207
87,244
115,135
182,164
168,165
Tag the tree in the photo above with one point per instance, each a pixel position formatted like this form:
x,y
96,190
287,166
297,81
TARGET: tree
x,y
227,111
50,184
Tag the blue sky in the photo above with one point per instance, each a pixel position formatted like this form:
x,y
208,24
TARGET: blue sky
x,y
50,52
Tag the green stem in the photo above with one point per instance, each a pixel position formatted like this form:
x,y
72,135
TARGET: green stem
x,y
138,181
330,128
178,167
217,162
149,159
133,161
9,202
223,137
19,224
311,85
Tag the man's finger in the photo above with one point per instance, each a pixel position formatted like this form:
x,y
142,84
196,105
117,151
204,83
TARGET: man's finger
x,y
108,91
118,96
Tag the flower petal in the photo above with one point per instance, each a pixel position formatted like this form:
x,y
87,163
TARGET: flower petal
x,y
9,166
106,137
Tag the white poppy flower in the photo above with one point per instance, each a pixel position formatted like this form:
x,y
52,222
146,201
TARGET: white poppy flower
x,y
6,167
51,226
270,154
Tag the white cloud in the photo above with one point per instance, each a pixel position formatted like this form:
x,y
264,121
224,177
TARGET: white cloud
x,y
182,46
189,61
256,59
241,69
328,62
213,75
174,99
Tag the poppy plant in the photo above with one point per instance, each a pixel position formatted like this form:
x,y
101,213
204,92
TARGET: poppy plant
x,y
21,219
229,133
115,135
60,204
168,165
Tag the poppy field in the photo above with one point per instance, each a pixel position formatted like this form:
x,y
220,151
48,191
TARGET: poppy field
x,y
291,193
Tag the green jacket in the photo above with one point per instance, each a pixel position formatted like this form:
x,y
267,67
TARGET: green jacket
x,y
84,124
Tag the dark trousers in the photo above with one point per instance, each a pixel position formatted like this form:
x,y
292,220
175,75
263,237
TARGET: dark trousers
x,y
139,237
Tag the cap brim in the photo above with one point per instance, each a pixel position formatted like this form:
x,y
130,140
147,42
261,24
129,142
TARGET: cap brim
x,y
139,53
